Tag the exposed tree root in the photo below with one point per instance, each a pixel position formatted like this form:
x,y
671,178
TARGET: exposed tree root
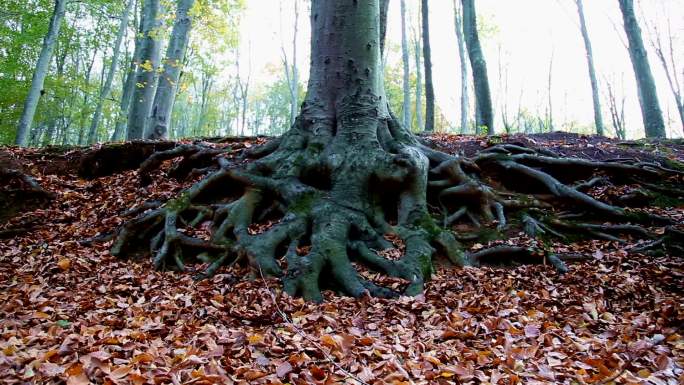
x,y
19,192
309,205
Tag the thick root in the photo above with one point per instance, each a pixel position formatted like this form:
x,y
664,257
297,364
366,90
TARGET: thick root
x,y
310,206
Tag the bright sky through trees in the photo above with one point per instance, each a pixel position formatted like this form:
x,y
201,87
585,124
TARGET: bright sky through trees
x,y
523,35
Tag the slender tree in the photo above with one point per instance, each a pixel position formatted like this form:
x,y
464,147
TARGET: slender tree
x,y
144,90
39,74
460,39
427,61
291,71
654,125
106,89
160,117
419,82
406,67
483,98
666,56
598,117
128,86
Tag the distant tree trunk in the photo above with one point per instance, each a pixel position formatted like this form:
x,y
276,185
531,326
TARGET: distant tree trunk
x,y
598,118
549,113
458,22
483,98
617,112
419,84
427,61
60,61
648,97
667,60
39,74
406,65
207,83
166,88
104,94
86,99
291,71
143,92
129,84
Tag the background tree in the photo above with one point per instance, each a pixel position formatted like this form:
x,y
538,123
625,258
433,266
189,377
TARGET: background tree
x,y
145,85
106,89
291,71
427,61
460,39
664,43
406,105
420,122
39,74
648,97
598,118
162,107
483,98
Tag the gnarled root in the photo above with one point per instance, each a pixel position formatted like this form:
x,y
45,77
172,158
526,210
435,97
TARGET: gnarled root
x,y
313,204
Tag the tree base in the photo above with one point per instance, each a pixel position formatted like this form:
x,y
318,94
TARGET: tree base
x,y
310,205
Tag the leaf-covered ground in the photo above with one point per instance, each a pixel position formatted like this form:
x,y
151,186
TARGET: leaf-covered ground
x,y
70,312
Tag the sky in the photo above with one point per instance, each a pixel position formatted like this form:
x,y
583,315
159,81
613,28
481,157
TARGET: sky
x,y
527,34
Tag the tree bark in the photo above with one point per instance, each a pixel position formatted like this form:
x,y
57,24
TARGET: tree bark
x,y
291,70
427,61
39,74
458,23
406,113
106,89
419,83
483,98
598,117
160,118
654,125
128,86
143,93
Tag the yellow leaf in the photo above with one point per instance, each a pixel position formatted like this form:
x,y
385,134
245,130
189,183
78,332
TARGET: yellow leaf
x,y
644,373
64,264
142,358
40,314
328,341
255,339
9,350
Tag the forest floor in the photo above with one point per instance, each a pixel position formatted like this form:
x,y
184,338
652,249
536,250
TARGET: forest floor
x,y
70,312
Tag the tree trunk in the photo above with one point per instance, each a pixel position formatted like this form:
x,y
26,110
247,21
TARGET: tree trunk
x,y
104,94
39,74
168,80
419,83
598,117
483,98
143,92
86,99
549,106
291,71
128,86
458,22
669,65
648,97
406,113
427,61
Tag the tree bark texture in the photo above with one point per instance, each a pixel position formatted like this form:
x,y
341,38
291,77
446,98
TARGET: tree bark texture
x,y
483,98
654,125
39,74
